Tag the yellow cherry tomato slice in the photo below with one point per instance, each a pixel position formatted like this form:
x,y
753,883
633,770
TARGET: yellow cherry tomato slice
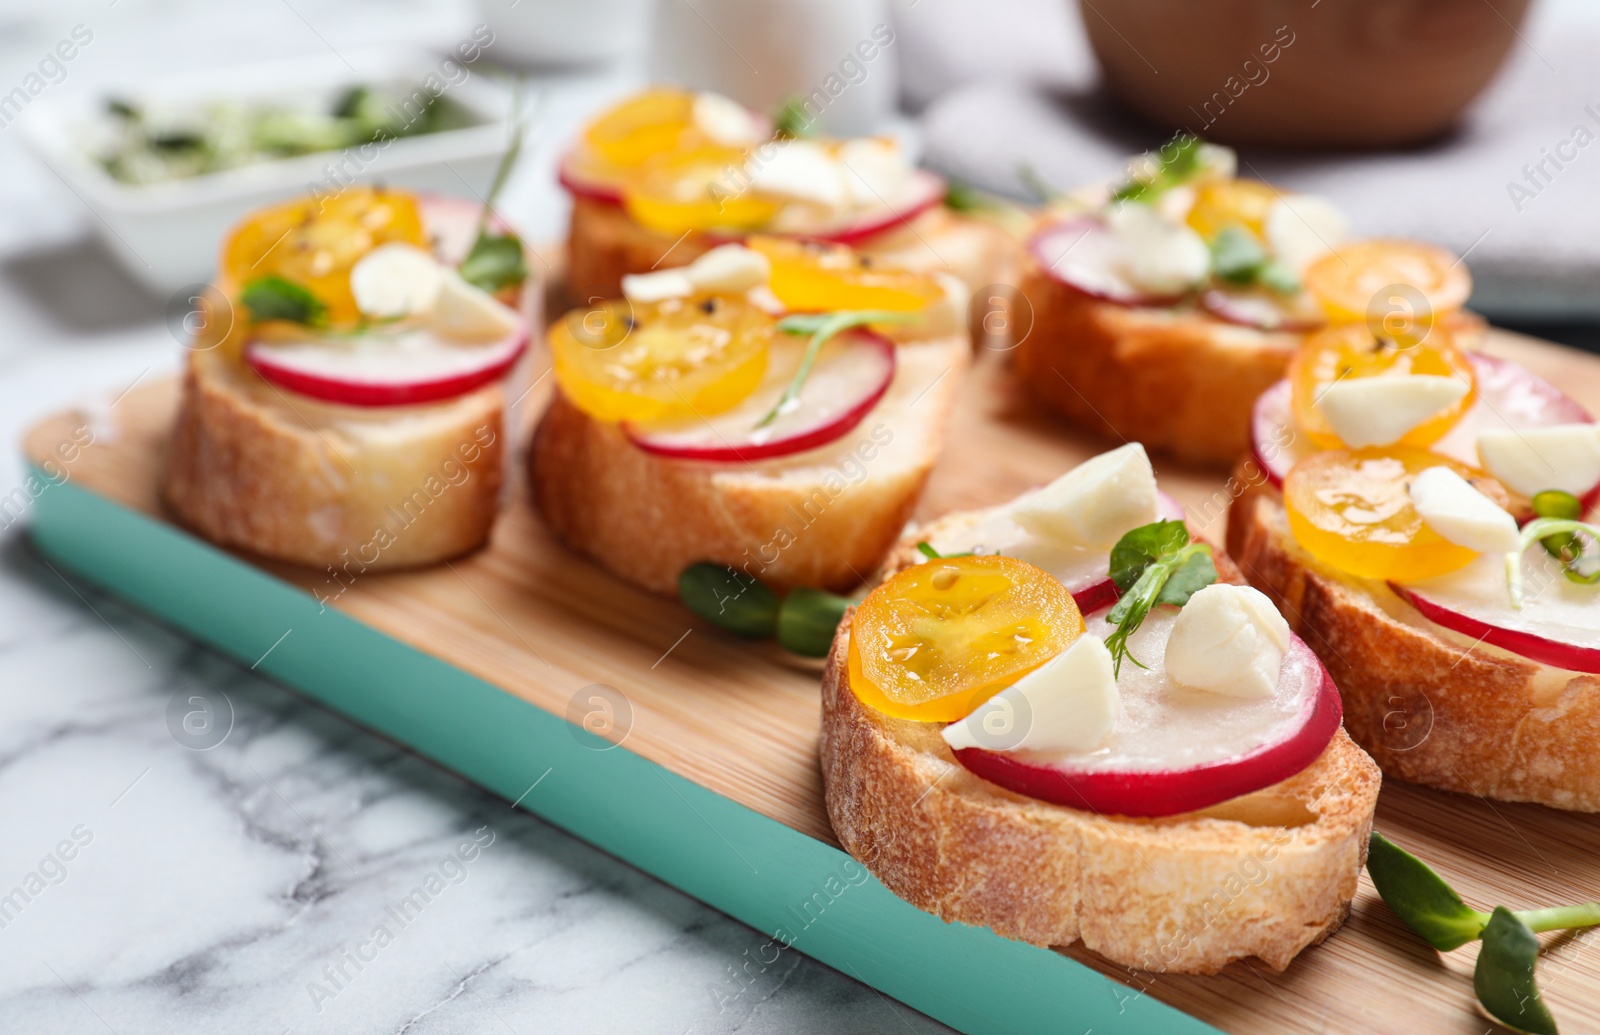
x,y
661,361
1400,287
314,242
940,638
700,189
810,276
1223,203
638,129
1350,350
1351,509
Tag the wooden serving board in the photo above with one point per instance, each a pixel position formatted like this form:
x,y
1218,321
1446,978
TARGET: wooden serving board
x,y
730,730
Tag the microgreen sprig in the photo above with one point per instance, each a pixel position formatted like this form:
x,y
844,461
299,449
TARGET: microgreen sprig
x,y
1503,978
927,550
1558,530
277,298
496,260
1179,159
822,327
803,621
1153,564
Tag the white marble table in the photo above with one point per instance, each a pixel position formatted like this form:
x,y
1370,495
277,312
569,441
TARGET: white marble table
x,y
242,888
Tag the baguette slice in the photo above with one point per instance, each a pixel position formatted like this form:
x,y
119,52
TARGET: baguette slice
x,y
823,518
1429,705
605,244
1178,380
1263,875
354,488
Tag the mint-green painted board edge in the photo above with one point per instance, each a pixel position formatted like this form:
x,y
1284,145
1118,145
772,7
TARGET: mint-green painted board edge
x,y
731,857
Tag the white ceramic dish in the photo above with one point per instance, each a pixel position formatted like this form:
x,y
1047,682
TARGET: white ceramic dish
x,y
167,234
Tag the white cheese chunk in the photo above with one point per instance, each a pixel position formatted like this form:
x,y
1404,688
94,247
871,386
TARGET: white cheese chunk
x,y
1228,640
1093,504
1530,460
1304,227
801,171
395,280
875,172
1068,704
725,121
1157,254
1459,513
657,286
729,269
1378,411
468,313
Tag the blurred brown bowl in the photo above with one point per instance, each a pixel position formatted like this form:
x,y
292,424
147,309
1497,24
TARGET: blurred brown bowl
x,y
1340,73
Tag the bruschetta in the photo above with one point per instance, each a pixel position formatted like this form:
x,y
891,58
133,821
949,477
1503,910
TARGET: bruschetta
x,y
1399,507
669,174
345,404
774,408
1164,305
1065,719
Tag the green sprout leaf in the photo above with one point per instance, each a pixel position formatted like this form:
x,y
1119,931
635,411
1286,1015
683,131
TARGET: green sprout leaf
x,y
793,122
1179,160
926,549
277,298
822,327
1236,255
1503,977
807,620
1153,564
1553,503
1277,275
729,599
495,261
963,197
1420,897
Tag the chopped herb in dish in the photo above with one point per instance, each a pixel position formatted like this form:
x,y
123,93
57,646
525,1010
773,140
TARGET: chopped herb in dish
x,y
162,146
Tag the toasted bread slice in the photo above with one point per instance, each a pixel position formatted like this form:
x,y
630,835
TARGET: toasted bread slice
x,y
1176,379
822,518
605,244
355,488
1263,875
1429,705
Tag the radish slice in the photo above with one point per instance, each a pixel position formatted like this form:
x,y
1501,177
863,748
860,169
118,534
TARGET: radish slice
x,y
1508,396
1558,625
414,366
1176,749
1264,310
1085,573
570,174
923,193
1083,254
852,372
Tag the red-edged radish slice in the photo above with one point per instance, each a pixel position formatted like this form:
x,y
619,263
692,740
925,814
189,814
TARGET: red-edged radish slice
x,y
571,175
1264,310
1558,624
1508,396
852,372
1085,573
1176,749
1083,254
403,369
925,191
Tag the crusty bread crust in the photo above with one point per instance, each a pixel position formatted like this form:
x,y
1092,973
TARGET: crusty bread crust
x,y
824,518
1178,380
324,485
1428,704
1263,875
605,244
